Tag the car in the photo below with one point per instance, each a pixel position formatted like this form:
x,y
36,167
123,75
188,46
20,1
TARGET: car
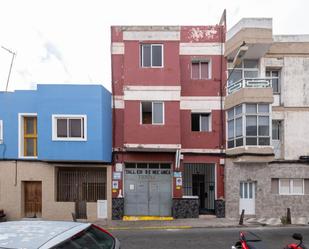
x,y
55,235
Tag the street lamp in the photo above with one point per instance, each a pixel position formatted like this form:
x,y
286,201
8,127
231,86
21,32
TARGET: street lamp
x,y
13,56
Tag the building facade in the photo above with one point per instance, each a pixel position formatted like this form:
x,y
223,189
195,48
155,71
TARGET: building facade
x,y
267,112
55,152
168,86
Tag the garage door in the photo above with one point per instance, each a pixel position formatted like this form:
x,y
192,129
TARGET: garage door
x,y
148,189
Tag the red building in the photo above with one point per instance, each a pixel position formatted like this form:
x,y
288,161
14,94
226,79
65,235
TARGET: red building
x,y
168,86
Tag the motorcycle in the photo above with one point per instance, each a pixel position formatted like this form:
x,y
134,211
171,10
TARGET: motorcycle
x,y
250,240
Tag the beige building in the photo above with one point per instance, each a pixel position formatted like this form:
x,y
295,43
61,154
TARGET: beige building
x,y
36,189
267,113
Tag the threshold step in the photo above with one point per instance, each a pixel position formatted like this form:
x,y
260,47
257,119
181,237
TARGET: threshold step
x,y
150,218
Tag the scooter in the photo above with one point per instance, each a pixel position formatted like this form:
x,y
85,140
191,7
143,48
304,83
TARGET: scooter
x,y
250,240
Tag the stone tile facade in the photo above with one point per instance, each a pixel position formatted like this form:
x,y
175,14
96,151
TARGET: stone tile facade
x,y
185,208
267,204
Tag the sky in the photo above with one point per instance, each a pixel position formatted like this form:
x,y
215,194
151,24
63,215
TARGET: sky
x,y
68,41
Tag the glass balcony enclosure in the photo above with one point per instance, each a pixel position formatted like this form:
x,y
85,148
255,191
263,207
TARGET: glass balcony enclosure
x,y
248,125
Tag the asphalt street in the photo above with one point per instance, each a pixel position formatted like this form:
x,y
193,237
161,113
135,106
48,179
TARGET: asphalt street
x,y
197,238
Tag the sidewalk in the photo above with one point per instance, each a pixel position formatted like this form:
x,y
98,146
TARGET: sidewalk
x,y
202,222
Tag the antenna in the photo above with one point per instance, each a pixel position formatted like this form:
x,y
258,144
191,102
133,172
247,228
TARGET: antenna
x,y
13,56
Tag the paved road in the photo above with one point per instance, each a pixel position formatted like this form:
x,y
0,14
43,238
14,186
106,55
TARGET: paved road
x,y
203,238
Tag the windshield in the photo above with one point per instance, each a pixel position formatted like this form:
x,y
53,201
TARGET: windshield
x,y
91,238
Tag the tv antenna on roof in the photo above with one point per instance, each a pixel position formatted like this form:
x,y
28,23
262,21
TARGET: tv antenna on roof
x,y
13,56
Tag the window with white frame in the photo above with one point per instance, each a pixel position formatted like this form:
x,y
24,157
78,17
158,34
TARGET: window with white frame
x,y
276,129
200,122
291,186
152,55
200,70
69,127
1,131
247,69
248,125
274,75
152,112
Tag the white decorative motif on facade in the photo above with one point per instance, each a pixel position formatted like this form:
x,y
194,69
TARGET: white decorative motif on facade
x,y
197,34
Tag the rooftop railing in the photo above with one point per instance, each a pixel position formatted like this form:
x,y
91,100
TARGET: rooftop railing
x,y
249,83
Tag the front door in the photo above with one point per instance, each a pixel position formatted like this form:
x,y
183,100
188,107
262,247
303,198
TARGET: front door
x,y
247,197
198,189
33,199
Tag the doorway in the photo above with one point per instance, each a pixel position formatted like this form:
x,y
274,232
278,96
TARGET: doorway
x,y
247,198
33,199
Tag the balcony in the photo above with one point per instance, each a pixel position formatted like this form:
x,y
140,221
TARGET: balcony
x,y
249,83
249,90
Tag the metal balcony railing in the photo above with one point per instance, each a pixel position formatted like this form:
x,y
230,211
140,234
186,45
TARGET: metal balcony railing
x,y
249,83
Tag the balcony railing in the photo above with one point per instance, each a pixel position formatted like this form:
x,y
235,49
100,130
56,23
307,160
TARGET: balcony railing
x,y
249,83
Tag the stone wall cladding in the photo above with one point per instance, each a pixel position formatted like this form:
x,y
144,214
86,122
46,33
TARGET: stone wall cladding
x,y
117,208
185,208
267,205
220,208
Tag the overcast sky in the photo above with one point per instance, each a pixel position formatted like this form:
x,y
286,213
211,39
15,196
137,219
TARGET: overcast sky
x,y
68,41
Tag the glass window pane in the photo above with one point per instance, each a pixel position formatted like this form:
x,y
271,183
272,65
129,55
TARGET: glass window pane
x,y
130,165
239,142
30,144
235,76
239,127
230,144
230,113
251,126
30,123
238,110
263,126
62,127
251,63
195,122
264,141
267,73
284,186
298,186
263,108
275,73
158,113
146,113
251,108
276,130
146,57
75,126
250,190
204,122
195,67
245,190
241,190
251,141
251,74
230,129
204,70
275,83
156,55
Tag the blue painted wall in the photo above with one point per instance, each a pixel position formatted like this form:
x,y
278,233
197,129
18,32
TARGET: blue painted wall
x,y
91,100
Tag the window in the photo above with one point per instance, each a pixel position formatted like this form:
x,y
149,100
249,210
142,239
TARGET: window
x,y
247,69
1,131
30,136
289,186
152,55
274,76
276,129
200,70
69,127
248,124
81,184
200,122
152,112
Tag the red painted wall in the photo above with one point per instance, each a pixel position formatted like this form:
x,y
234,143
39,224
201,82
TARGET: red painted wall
x,y
134,132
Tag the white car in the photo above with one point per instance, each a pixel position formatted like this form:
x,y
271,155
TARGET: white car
x,y
55,235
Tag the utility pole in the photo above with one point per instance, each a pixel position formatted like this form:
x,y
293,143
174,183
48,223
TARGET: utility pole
x,y
13,56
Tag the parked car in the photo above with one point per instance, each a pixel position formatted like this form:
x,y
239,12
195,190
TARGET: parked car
x,y
55,235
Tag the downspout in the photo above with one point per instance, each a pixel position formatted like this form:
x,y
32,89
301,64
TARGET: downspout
x,y
113,101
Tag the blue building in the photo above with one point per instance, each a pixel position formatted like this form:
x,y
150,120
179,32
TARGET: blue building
x,y
55,152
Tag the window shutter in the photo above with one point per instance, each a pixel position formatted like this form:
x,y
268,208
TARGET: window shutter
x,y
204,70
275,186
195,67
